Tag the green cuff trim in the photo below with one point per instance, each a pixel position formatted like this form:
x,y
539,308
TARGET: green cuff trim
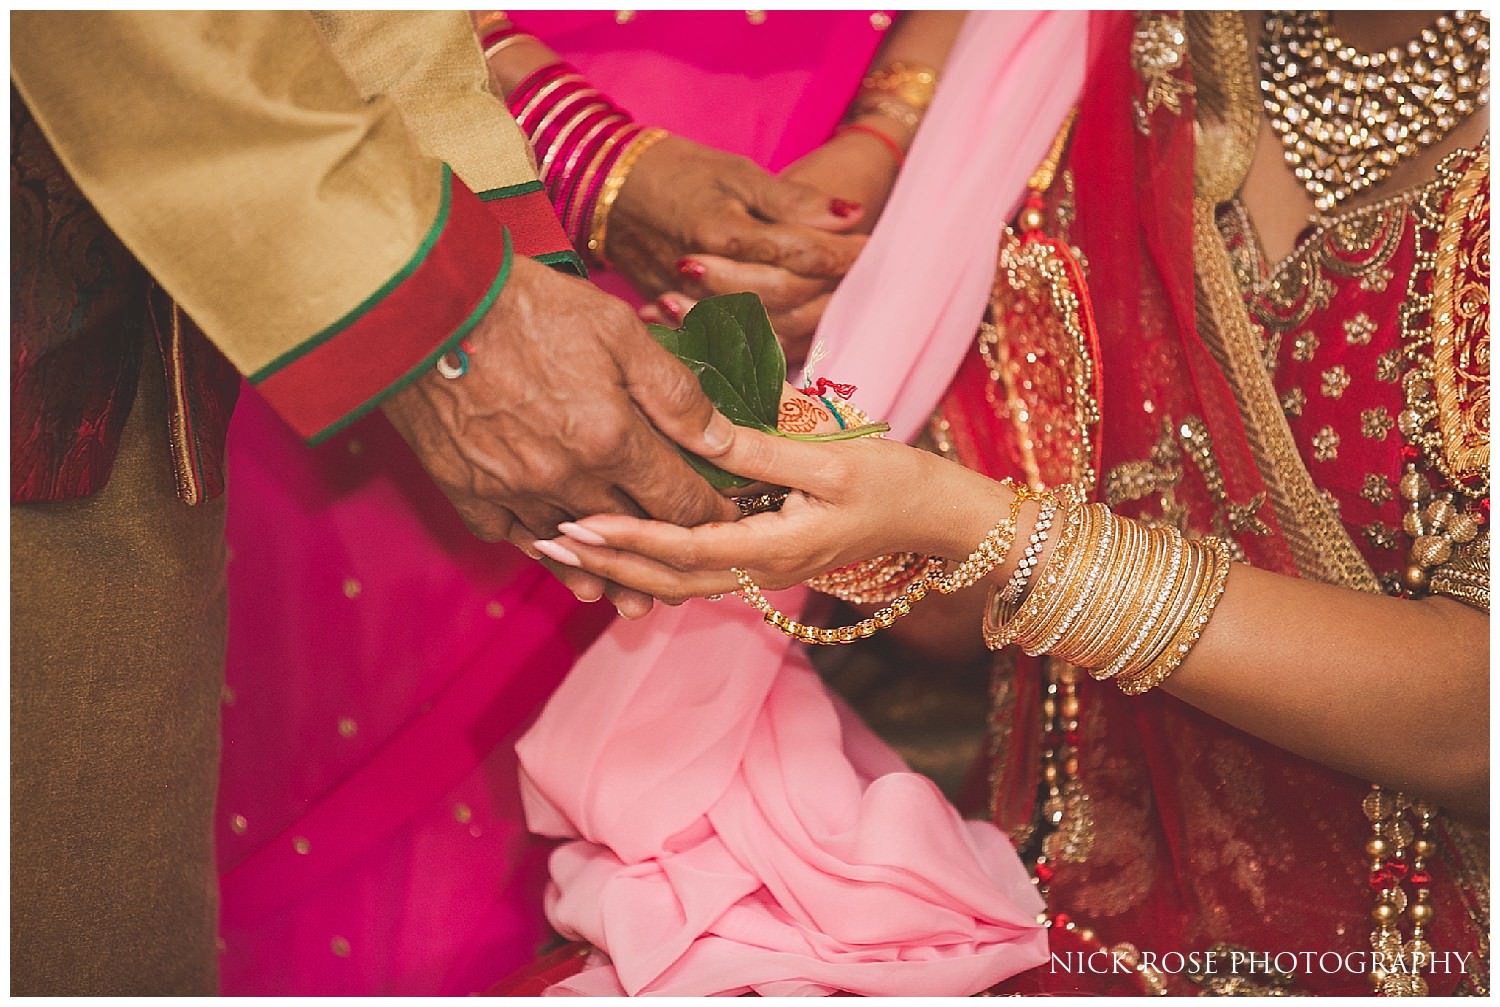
x,y
422,365
445,207
507,191
568,259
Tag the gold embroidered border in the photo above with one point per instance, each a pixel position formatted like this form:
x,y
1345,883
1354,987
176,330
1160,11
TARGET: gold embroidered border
x,y
1320,546
1465,449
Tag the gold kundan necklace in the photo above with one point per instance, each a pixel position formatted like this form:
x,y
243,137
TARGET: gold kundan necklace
x,y
1345,117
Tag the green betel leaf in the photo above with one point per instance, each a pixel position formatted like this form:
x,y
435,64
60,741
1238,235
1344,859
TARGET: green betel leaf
x,y
740,342
728,342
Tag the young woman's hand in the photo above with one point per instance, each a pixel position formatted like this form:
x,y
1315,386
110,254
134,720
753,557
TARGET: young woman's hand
x,y
851,500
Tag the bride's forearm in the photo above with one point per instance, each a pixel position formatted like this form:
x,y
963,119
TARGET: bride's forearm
x,y
1388,690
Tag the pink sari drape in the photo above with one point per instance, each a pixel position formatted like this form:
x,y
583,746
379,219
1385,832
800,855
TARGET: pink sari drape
x,y
382,662
732,830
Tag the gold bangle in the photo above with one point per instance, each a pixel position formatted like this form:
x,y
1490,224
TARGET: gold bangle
x,y
1151,606
1004,623
614,182
751,594
1082,590
490,20
911,83
1210,590
891,108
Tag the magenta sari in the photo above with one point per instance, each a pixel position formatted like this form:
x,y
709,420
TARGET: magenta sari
x,y
382,662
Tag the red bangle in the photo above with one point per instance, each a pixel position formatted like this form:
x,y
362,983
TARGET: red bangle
x,y
890,143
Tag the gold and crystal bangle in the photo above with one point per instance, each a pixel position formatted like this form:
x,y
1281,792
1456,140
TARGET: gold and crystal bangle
x,y
1040,529
892,108
1180,592
1102,625
1208,591
1157,591
615,181
991,550
1080,591
1052,597
1005,622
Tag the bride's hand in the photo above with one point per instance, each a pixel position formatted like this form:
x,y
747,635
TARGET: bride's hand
x,y
851,500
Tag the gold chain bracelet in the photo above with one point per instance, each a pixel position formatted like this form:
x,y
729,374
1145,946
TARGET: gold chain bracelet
x,y
865,628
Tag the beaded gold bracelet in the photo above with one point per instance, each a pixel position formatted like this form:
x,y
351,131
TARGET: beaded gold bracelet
x,y
990,552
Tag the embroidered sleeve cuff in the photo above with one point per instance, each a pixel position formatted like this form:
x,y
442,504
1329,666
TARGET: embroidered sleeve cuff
x,y
526,212
421,312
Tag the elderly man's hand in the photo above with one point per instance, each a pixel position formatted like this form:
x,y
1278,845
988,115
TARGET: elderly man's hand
x,y
569,408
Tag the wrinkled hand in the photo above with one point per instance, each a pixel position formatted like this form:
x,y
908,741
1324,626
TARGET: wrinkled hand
x,y
554,419
853,164
853,500
682,197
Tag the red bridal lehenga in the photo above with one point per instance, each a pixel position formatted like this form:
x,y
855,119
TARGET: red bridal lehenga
x,y
1328,414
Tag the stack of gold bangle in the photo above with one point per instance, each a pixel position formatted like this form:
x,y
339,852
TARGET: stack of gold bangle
x,y
1120,599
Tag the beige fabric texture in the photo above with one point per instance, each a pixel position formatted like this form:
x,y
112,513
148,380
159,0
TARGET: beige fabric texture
x,y
208,139
442,88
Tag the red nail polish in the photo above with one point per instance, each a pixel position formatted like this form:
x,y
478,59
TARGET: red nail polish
x,y
843,208
669,309
691,268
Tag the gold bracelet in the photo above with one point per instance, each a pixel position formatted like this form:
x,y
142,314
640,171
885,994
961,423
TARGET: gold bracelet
x,y
751,593
991,550
614,182
1101,625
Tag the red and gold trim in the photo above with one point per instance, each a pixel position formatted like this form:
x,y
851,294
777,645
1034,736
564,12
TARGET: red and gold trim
x,y
431,303
527,213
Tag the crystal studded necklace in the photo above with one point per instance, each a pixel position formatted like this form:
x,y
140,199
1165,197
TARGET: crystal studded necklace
x,y
1346,118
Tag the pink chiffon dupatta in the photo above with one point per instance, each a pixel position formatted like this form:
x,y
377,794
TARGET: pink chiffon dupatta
x,y
732,827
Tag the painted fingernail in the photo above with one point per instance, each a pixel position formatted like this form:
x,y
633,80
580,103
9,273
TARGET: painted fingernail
x,y
585,535
692,268
670,308
843,208
719,434
552,550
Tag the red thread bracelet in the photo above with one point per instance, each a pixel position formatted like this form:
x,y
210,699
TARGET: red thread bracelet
x,y
891,144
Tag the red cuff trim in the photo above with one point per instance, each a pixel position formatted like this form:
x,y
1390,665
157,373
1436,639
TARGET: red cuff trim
x,y
525,210
347,369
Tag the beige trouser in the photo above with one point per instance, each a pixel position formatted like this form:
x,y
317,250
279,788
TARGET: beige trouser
x,y
117,654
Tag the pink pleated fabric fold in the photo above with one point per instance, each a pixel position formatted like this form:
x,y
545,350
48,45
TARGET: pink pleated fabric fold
x,y
732,827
